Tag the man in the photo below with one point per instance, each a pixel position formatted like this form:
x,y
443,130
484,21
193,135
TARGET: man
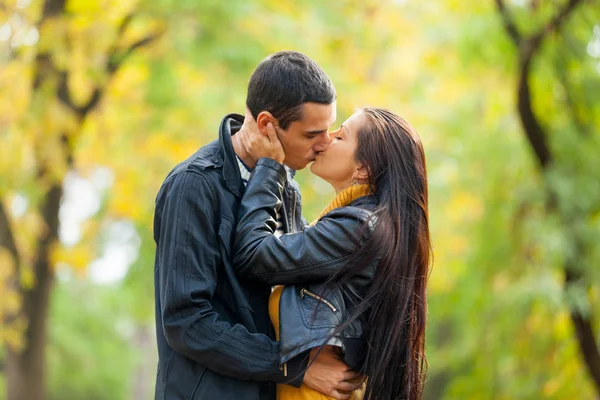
x,y
213,331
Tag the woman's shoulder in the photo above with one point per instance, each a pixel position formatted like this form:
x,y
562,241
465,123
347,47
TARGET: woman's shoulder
x,y
368,202
361,209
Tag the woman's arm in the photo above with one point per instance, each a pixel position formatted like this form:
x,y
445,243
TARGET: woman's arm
x,y
309,256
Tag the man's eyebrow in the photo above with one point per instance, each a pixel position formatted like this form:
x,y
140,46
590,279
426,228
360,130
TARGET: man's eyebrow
x,y
316,132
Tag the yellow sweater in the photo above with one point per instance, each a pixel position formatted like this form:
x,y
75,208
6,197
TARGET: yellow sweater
x,y
286,392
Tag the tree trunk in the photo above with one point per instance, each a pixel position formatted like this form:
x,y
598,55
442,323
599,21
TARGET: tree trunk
x,y
537,136
25,369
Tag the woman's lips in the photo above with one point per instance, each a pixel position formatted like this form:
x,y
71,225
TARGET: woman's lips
x,y
317,156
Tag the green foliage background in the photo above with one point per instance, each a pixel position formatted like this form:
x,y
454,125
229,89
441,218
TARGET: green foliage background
x,y
499,324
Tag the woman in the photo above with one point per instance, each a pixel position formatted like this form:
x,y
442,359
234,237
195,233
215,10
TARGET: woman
x,y
356,278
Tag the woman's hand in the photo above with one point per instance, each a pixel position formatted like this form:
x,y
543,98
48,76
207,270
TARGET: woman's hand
x,y
267,144
330,375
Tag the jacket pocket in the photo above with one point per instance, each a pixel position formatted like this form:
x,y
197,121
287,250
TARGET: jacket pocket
x,y
316,310
183,378
198,384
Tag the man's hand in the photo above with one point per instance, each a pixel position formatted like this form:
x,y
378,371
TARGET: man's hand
x,y
259,145
330,375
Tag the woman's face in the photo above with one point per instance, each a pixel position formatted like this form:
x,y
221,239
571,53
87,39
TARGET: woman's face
x,y
337,165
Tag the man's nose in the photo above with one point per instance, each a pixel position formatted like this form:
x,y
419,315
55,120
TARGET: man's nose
x,y
326,138
324,142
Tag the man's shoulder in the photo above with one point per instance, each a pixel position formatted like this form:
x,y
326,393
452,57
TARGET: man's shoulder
x,y
205,157
204,161
202,166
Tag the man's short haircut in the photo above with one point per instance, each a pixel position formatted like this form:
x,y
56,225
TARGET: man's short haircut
x,y
283,82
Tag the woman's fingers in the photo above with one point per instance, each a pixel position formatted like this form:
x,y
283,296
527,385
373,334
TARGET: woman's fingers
x,y
339,395
271,133
351,374
277,147
348,386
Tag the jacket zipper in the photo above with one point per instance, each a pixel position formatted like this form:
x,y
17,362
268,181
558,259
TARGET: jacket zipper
x,y
284,369
316,296
294,211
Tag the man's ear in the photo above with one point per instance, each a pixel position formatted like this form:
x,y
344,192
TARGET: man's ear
x,y
361,174
263,119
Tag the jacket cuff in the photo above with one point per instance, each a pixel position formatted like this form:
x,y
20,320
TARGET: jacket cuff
x,y
270,163
296,368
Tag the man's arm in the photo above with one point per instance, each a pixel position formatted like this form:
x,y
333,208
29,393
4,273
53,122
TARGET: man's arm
x,y
188,251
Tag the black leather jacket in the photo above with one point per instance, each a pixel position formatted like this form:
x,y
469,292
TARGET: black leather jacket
x,y
309,312
213,331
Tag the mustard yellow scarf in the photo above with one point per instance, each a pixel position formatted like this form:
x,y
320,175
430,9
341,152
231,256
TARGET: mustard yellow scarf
x,y
345,197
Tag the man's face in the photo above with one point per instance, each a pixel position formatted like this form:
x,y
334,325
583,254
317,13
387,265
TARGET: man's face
x,y
306,138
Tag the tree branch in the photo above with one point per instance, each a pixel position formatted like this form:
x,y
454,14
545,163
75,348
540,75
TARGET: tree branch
x,y
555,23
63,91
115,60
528,46
584,331
7,239
123,27
527,50
53,8
43,62
63,87
509,24
533,129
584,129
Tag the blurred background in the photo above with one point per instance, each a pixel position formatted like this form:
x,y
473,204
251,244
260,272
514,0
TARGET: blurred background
x,y
99,99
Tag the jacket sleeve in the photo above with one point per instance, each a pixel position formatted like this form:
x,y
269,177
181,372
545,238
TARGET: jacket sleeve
x,y
188,257
296,258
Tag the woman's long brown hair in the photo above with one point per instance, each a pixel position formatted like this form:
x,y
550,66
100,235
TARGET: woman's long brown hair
x,y
394,308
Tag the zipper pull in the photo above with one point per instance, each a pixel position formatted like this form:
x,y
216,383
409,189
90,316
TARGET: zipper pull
x,y
305,291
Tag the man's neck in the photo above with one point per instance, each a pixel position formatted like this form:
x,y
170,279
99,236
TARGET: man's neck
x,y
239,150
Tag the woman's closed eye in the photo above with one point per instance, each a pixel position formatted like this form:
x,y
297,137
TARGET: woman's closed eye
x,y
337,134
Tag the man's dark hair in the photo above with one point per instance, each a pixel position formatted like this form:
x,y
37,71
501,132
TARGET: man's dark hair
x,y
283,82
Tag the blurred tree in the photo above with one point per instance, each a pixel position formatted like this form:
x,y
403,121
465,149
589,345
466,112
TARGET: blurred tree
x,y
74,45
499,315
557,164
